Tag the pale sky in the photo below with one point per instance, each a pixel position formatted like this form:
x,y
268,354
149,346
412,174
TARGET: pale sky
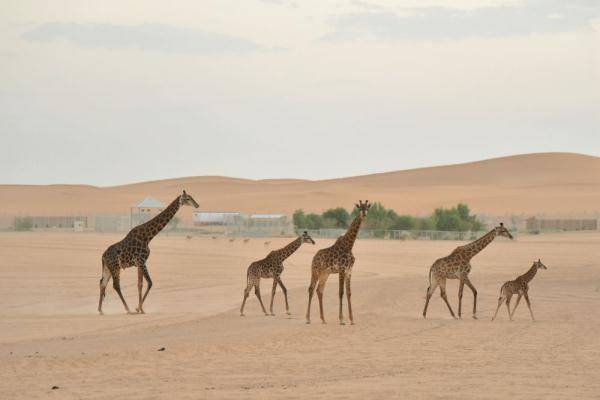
x,y
113,92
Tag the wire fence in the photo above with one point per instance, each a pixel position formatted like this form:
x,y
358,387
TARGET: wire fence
x,y
400,234
123,223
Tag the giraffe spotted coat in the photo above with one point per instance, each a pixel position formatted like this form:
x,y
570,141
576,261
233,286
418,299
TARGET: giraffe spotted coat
x,y
520,287
271,267
337,259
134,250
457,265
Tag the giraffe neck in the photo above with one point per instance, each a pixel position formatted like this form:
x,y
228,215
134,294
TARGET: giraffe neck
x,y
476,246
283,253
528,276
150,229
347,241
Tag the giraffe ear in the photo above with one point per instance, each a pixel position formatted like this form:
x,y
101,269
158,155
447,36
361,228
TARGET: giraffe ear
x,y
502,224
184,192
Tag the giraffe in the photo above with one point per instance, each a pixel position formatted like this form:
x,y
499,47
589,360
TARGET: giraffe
x,y
337,259
271,267
133,251
457,266
519,286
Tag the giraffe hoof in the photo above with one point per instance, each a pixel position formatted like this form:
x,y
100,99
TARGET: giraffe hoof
x,y
342,323
100,312
475,317
272,314
307,322
129,312
242,315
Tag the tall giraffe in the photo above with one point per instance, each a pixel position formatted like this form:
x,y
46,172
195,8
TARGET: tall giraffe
x,y
271,267
133,251
337,259
519,286
457,266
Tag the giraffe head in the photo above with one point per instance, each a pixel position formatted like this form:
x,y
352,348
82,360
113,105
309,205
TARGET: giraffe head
x,y
363,207
306,238
539,264
502,231
187,200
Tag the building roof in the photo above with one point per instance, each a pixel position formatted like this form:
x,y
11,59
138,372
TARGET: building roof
x,y
149,202
267,216
205,216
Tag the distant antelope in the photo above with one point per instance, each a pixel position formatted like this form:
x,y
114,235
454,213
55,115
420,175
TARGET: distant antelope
x,y
520,287
246,240
231,240
214,237
189,237
267,243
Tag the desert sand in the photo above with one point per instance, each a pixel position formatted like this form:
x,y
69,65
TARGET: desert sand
x,y
51,334
561,184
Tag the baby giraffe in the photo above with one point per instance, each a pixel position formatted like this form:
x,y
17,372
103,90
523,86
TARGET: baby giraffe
x,y
519,286
271,267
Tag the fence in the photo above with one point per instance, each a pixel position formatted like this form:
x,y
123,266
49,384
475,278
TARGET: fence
x,y
399,234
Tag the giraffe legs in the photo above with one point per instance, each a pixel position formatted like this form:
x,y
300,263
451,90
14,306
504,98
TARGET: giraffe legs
x,y
341,293
508,297
103,283
500,300
348,296
284,290
273,296
470,285
311,291
246,294
140,285
443,294
512,314
430,291
144,271
461,286
320,288
257,293
529,305
117,287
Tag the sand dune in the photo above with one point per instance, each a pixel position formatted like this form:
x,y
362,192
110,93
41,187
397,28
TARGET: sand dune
x,y
551,183
50,333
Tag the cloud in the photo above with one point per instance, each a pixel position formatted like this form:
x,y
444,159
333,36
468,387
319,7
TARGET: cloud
x,y
440,23
150,37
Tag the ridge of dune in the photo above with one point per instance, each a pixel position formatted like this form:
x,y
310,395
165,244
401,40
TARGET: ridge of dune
x,y
539,183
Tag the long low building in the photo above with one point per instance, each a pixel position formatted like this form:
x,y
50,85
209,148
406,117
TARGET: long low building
x,y
565,224
204,218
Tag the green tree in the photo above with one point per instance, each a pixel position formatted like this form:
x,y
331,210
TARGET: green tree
x,y
404,222
313,221
299,219
23,223
457,218
337,217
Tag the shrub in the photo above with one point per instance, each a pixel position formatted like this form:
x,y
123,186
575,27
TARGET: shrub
x,y
23,223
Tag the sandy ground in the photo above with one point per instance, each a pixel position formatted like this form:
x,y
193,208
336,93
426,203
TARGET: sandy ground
x,y
50,333
559,184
